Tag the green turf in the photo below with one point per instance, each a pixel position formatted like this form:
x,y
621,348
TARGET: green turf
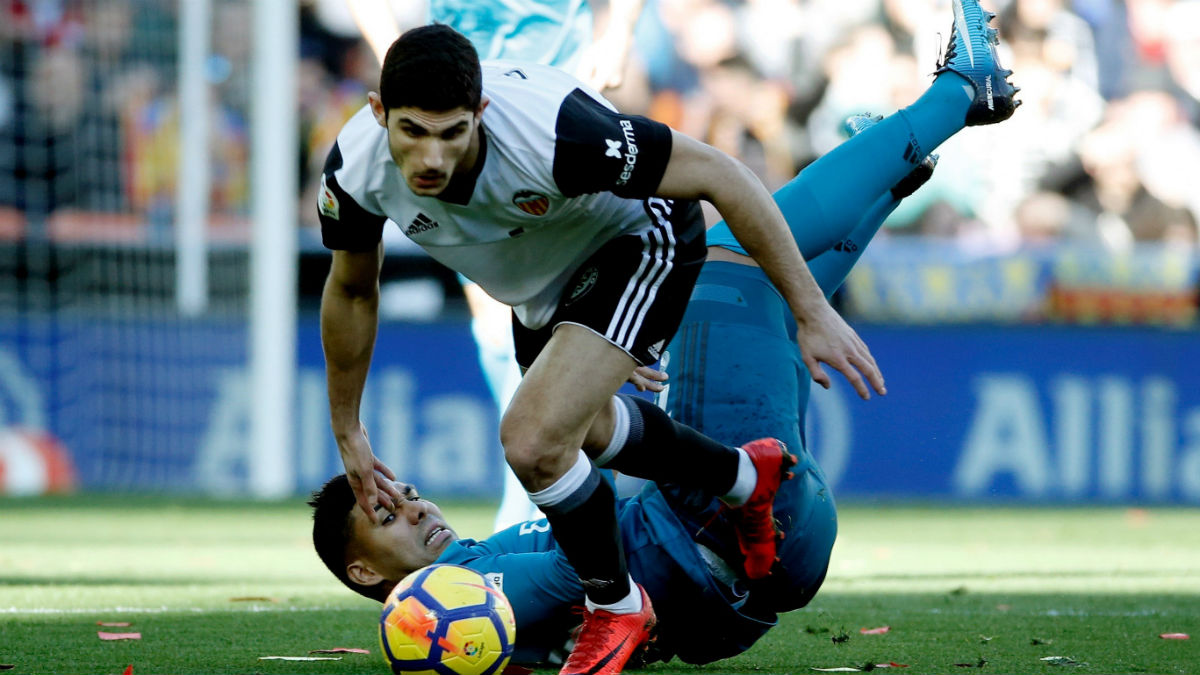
x,y
997,587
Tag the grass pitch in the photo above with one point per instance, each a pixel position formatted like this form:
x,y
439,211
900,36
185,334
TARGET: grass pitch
x,y
213,586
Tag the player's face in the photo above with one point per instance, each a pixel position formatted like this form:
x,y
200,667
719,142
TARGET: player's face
x,y
430,146
411,537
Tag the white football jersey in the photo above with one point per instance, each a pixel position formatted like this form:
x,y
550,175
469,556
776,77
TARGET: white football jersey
x,y
560,173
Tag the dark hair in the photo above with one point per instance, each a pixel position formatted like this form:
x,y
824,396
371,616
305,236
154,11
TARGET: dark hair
x,y
332,505
432,68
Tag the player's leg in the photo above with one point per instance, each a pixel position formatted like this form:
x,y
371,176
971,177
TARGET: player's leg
x,y
831,267
633,436
805,506
630,434
831,196
608,322
736,373
574,376
735,341
542,431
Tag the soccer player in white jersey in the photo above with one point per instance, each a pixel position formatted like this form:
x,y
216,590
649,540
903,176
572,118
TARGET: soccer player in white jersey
x,y
552,32
582,219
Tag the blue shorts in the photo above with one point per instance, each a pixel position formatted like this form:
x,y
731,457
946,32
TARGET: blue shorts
x,y
736,375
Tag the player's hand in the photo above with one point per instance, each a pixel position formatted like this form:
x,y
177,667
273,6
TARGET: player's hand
x,y
646,378
824,337
602,63
370,478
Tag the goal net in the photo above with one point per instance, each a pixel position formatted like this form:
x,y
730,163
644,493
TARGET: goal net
x,y
94,348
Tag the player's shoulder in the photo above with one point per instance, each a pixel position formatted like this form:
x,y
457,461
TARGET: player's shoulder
x,y
360,148
526,103
362,125
531,86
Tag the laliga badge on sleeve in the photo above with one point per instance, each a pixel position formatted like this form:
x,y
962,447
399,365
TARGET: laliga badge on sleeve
x,y
327,202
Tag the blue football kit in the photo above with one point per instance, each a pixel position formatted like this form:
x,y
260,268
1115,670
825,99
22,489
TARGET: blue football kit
x,y
700,618
735,373
550,32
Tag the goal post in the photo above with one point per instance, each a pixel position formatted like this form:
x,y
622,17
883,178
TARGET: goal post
x,y
273,296
191,193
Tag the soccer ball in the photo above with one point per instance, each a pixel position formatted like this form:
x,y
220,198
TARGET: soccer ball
x,y
448,620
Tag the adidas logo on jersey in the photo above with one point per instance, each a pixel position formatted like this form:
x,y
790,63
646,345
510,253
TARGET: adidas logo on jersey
x,y
656,348
422,223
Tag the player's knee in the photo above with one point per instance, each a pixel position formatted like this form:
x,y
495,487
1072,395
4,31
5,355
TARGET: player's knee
x,y
536,454
521,457
526,449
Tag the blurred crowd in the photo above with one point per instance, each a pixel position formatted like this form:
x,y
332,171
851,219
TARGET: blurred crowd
x,y
1104,150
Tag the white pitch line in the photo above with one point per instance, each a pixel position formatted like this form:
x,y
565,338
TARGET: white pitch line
x,y
162,610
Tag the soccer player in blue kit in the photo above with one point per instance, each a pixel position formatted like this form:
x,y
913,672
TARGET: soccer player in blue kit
x,y
737,335
428,173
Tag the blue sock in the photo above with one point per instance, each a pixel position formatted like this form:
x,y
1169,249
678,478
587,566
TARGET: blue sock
x,y
831,267
831,196
940,112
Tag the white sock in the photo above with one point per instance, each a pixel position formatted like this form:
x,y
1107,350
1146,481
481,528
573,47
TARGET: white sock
x,y
747,478
630,604
566,485
620,433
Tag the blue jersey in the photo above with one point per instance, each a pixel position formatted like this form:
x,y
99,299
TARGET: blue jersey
x,y
697,622
550,32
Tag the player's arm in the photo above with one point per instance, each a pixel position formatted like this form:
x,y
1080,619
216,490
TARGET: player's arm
x,y
377,24
695,170
598,149
349,320
602,64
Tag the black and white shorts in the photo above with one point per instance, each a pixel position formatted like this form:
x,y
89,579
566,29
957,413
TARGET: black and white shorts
x,y
634,290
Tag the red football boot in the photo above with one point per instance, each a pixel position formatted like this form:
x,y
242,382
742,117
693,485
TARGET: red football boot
x,y
607,640
755,520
